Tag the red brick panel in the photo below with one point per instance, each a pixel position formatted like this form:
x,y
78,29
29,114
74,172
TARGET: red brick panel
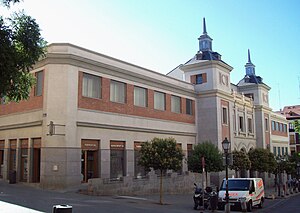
x,y
128,108
34,102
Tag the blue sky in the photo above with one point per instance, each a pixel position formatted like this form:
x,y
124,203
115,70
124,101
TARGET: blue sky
x,y
161,34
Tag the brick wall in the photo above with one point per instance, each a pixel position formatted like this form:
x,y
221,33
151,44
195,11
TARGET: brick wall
x,y
128,108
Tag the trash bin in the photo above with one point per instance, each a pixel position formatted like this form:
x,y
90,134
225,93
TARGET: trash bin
x,y
12,177
213,200
63,208
243,204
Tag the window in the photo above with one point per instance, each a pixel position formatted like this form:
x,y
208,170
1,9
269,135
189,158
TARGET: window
x,y
280,127
273,125
224,115
140,96
266,124
91,86
175,104
159,101
278,151
285,128
241,123
117,159
39,83
189,107
277,126
199,79
274,150
117,91
286,150
250,128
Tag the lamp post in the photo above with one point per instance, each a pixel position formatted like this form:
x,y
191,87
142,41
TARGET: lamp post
x,y
226,148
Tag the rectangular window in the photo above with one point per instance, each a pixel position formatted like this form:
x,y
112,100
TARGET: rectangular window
x,y
224,115
199,79
280,127
286,150
250,129
159,100
278,151
266,124
117,91
189,107
91,86
139,171
39,83
274,150
140,96
282,151
241,123
285,128
175,104
277,126
273,125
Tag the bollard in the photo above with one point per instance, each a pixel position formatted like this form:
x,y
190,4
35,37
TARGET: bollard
x,y
62,209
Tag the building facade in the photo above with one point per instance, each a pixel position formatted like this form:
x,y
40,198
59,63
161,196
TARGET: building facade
x,y
292,114
89,113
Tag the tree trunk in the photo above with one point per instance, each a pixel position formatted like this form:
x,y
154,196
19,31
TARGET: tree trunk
x,y
161,187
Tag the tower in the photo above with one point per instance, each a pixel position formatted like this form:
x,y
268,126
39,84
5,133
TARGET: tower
x,y
205,42
250,68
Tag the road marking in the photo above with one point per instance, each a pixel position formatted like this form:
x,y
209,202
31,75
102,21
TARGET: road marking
x,y
129,197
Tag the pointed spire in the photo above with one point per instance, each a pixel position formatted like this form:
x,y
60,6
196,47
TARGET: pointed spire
x,y
250,68
204,26
249,59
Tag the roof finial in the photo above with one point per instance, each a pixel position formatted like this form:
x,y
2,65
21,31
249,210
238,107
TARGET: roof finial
x,y
204,26
249,59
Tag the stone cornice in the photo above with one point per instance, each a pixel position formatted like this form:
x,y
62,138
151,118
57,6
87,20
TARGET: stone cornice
x,y
134,129
21,125
206,64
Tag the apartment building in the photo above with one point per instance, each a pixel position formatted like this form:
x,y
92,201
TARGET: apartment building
x,y
292,114
89,113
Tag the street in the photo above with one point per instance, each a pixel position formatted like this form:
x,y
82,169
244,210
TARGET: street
x,y
44,200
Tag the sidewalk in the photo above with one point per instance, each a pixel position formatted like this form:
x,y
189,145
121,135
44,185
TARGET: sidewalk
x,y
270,193
9,208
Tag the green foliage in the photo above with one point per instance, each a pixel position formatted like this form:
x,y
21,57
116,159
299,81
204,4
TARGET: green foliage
x,y
7,3
21,45
241,161
161,154
297,126
211,154
262,160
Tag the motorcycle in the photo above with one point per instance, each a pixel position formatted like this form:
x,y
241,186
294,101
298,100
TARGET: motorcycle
x,y
199,199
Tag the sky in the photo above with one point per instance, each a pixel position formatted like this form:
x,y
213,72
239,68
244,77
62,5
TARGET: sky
x,y
161,34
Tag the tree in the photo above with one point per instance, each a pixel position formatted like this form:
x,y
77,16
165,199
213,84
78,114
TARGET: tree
x,y
161,154
262,160
297,126
241,161
21,45
211,154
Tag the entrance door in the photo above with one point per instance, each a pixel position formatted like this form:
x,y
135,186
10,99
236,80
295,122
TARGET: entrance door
x,y
36,170
89,164
89,159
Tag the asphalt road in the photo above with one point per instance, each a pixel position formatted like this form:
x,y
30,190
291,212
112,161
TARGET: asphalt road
x,y
44,200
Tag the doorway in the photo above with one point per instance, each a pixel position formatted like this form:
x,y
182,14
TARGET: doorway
x,y
89,159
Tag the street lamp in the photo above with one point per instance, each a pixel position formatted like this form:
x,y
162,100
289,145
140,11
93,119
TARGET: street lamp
x,y
226,148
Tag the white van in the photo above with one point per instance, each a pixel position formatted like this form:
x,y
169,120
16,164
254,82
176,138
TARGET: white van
x,y
249,190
